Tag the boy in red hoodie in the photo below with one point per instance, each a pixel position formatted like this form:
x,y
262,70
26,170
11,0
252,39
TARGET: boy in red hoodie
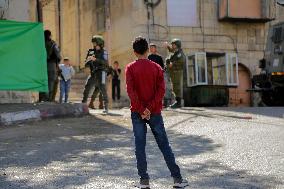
x,y
146,88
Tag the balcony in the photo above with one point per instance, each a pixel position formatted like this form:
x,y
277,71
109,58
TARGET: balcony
x,y
247,10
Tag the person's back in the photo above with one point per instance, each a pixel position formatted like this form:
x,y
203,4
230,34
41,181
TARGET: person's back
x,y
146,88
148,80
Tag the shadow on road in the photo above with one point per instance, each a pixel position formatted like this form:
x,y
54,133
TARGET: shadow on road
x,y
72,155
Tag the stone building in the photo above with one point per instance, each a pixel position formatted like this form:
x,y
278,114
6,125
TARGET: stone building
x,y
213,30
231,29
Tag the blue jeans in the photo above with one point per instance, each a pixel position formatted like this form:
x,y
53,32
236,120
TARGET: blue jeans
x,y
64,90
156,124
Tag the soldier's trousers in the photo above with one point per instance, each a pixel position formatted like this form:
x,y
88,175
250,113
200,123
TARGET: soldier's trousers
x,y
177,80
94,85
52,77
169,97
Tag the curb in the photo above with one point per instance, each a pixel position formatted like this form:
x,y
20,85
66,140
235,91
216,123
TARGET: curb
x,y
41,113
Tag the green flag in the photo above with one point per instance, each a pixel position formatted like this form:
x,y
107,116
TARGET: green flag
x,y
23,64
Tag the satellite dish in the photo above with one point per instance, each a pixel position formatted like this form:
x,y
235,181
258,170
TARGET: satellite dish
x,y
280,2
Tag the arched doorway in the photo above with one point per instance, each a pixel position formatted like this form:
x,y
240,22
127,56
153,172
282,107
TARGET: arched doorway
x,y
239,96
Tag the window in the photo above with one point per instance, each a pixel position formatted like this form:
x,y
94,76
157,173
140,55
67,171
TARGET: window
x,y
197,69
212,69
191,79
277,35
232,69
219,70
201,68
100,15
182,12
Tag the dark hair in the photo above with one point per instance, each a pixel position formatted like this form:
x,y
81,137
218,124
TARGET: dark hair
x,y
115,62
47,34
140,45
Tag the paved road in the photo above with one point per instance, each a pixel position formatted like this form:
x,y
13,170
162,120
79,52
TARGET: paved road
x,y
215,148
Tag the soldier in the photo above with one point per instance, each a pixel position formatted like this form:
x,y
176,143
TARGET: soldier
x,y
97,65
53,59
175,64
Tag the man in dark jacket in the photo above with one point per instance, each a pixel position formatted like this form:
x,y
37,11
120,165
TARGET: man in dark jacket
x,y
154,56
53,59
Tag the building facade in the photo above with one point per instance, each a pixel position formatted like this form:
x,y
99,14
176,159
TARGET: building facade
x,y
212,28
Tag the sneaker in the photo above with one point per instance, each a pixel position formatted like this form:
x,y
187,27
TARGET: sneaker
x,y
182,184
144,184
175,105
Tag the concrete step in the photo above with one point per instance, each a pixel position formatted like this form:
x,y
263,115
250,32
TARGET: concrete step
x,y
80,75
78,82
77,88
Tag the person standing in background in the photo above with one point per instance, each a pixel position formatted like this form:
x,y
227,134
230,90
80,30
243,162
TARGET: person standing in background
x,y
116,71
53,59
66,72
154,56
175,64
97,66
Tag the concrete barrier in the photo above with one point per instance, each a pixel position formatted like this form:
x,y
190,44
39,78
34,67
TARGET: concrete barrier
x,y
43,111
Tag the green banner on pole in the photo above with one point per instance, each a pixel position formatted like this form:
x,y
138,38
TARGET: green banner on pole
x,y
23,64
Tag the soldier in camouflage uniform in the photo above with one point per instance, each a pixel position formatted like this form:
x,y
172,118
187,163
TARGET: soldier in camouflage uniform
x,y
175,64
97,63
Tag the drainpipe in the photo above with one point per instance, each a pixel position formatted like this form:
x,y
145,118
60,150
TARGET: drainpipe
x,y
79,32
39,11
59,23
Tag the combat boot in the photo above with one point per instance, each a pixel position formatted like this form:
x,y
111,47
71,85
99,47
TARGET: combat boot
x,y
91,104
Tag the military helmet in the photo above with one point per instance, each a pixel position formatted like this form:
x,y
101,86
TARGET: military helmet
x,y
99,40
177,42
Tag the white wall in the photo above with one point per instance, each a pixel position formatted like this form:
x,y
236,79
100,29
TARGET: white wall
x,y
16,9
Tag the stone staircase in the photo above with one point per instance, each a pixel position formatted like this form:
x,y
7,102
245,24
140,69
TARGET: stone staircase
x,y
77,88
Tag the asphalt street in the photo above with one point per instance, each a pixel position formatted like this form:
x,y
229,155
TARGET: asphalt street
x,y
215,148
